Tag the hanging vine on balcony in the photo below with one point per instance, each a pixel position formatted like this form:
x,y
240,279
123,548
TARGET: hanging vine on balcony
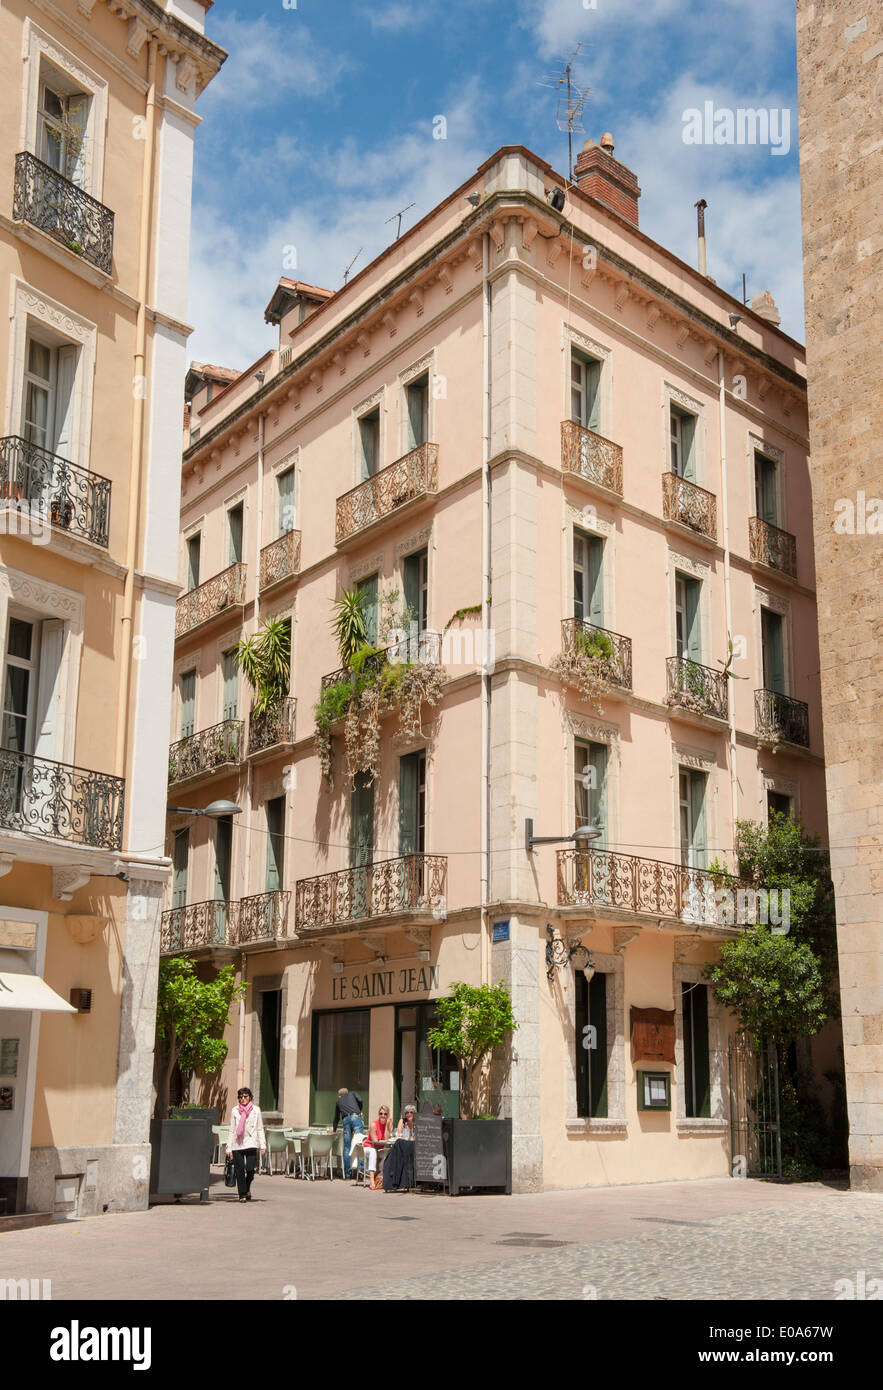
x,y
585,664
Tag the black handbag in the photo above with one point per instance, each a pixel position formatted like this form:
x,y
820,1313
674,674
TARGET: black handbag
x,y
229,1172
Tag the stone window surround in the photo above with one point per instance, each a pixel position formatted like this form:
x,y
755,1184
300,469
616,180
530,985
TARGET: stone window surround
x,y
28,304
697,569
45,600
613,967
765,598
757,444
581,727
193,528
717,1122
575,519
405,377
37,47
572,338
364,407
673,395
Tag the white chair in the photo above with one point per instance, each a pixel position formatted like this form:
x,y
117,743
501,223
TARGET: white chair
x,y
322,1147
277,1143
222,1134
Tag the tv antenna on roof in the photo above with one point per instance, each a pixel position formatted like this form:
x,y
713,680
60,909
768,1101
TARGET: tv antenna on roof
x,y
351,264
399,216
571,106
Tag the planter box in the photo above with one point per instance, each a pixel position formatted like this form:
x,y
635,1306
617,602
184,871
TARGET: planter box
x,y
479,1154
180,1154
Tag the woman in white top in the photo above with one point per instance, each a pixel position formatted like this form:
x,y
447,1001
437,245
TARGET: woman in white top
x,y
245,1138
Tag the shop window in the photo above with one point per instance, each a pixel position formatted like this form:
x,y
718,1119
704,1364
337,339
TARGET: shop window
x,y
423,1076
697,1082
341,1057
591,1046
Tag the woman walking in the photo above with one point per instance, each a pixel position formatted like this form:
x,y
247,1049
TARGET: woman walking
x,y
246,1137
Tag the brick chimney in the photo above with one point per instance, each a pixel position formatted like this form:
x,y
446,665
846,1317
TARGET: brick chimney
x,y
605,178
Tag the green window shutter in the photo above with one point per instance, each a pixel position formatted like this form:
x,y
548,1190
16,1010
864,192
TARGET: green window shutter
x,y
286,501
275,844
418,412
234,521
593,395
697,812
362,822
180,855
692,591
188,703
596,580
697,1068
270,1024
772,641
368,587
408,772
369,439
414,577
598,1054
223,857
765,489
598,794
231,686
193,548
688,450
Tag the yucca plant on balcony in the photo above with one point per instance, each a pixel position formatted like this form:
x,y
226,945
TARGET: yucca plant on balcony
x,y
264,659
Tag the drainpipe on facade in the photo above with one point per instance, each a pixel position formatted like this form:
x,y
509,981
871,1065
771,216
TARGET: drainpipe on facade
x,y
485,828
728,597
137,455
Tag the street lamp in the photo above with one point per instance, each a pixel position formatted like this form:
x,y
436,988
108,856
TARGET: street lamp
x,y
580,837
215,810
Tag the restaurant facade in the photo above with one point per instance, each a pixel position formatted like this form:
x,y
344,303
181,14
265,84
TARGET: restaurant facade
x,y
572,491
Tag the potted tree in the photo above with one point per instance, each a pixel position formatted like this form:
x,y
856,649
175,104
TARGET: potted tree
x,y
191,1015
474,1021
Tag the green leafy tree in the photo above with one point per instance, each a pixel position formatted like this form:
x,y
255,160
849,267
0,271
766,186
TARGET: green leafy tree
x,y
783,856
191,1015
473,1021
264,659
773,983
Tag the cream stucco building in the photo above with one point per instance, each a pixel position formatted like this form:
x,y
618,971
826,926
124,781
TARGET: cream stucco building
x,y
97,110
540,432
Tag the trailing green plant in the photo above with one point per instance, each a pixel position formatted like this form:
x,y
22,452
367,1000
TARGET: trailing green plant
x,y
191,1015
586,665
472,611
264,659
474,1020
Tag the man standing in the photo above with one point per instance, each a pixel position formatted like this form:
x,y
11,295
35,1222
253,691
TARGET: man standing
x,y
349,1109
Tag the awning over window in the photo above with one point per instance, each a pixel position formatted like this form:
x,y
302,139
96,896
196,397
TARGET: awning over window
x,y
29,991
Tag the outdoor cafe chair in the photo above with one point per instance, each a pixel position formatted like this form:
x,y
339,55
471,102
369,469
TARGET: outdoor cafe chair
x,y
322,1146
296,1159
277,1143
222,1134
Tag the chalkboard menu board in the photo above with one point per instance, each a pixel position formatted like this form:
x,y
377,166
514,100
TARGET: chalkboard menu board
x,y
430,1164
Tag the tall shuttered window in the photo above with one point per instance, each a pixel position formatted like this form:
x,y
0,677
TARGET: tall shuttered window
x,y
697,1076
688,630
772,637
416,585
591,1046
412,803
588,581
275,844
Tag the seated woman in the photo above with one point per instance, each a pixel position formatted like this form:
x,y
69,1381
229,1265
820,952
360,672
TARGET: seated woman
x,y
378,1130
398,1170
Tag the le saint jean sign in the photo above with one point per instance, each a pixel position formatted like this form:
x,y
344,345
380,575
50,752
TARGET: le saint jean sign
x,y
385,984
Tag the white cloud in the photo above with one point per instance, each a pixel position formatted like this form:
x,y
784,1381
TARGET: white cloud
x,y
270,62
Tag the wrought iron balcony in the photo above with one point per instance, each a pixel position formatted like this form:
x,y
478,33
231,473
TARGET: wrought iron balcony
x,y
54,489
280,560
625,882
41,797
688,504
196,927
425,646
205,752
780,719
273,728
696,687
772,547
46,199
262,917
611,651
415,884
591,456
415,475
200,605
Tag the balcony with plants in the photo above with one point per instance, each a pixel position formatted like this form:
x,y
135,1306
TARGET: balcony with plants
x,y
780,719
410,478
593,660
376,678
264,659
697,688
72,498
44,198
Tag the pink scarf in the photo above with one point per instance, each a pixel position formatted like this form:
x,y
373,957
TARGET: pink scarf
x,y
244,1112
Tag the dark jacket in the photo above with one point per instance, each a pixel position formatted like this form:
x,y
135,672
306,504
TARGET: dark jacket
x,y
350,1104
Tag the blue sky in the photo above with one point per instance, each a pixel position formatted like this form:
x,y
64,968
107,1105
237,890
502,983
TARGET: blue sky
x,y
320,126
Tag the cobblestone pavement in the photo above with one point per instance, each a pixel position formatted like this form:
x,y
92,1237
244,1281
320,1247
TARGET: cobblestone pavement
x,y
706,1239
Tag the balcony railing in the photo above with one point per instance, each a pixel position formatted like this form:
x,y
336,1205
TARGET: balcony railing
x,y
280,559
273,727
415,883
425,646
262,917
625,882
781,719
200,605
697,687
223,925
688,504
210,749
46,199
591,456
195,927
54,489
772,547
42,797
415,475
612,651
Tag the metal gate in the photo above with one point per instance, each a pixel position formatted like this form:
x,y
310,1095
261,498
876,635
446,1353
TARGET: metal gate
x,y
755,1121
